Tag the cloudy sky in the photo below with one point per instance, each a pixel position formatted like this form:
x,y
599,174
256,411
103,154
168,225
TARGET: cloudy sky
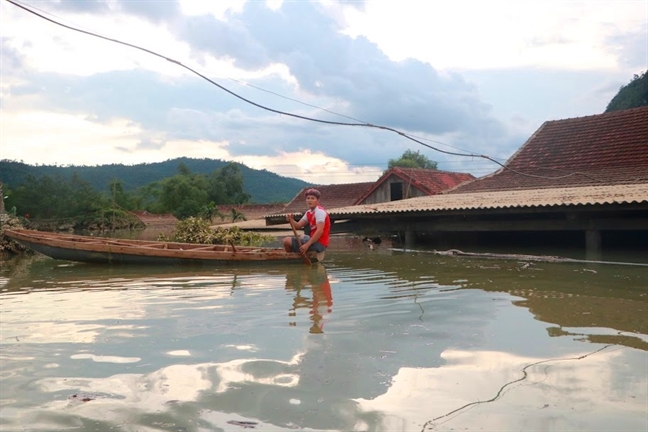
x,y
462,76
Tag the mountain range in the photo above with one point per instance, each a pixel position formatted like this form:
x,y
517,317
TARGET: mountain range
x,y
263,186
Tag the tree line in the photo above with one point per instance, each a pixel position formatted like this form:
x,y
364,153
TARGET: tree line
x,y
184,194
265,187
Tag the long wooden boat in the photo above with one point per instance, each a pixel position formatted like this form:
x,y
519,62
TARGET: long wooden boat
x,y
112,250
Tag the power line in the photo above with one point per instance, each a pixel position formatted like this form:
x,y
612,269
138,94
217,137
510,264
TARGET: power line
x,y
360,124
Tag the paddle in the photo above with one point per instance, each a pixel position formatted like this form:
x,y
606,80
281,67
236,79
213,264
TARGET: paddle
x,y
292,225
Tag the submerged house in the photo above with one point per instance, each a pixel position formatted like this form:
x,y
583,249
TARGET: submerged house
x,y
333,196
580,181
395,184
598,150
402,183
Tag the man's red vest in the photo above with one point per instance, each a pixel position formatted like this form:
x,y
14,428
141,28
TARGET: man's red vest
x,y
324,238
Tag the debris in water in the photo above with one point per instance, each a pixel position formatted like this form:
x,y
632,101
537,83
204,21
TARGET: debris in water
x,y
243,424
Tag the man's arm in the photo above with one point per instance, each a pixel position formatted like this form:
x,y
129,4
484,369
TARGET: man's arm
x,y
316,236
298,224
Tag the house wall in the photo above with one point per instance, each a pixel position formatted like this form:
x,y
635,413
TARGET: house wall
x,y
383,192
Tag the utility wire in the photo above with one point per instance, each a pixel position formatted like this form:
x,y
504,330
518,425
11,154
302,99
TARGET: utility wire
x,y
361,124
525,375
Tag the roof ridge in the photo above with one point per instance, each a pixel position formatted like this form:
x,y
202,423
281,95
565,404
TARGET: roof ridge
x,y
607,114
432,170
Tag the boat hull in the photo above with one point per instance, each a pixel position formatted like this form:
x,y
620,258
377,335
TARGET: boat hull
x,y
118,251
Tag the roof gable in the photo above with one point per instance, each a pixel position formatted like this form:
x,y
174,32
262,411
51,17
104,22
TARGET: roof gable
x,y
431,182
602,149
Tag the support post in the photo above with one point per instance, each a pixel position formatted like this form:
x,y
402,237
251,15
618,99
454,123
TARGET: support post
x,y
593,245
410,238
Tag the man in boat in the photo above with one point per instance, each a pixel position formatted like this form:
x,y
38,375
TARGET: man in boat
x,y
319,222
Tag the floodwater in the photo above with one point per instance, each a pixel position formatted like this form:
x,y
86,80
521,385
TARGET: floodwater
x,y
372,340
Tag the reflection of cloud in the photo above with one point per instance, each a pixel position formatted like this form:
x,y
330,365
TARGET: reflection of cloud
x,y
65,316
116,397
250,371
105,359
250,348
553,390
179,353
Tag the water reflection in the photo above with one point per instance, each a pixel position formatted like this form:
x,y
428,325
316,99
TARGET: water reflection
x,y
410,342
486,390
313,292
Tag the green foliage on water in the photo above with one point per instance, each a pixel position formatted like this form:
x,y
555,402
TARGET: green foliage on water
x,y
198,230
8,246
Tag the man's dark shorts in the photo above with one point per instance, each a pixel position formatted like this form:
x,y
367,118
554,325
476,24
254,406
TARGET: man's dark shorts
x,y
317,246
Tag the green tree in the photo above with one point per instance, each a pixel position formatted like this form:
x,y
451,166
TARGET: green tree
x,y
632,95
183,169
2,206
412,159
83,198
119,196
148,197
184,195
226,186
48,197
210,211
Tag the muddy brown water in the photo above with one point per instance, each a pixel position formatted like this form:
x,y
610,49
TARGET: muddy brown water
x,y
377,340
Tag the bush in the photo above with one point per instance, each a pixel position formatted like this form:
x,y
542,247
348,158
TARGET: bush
x,y
197,230
7,245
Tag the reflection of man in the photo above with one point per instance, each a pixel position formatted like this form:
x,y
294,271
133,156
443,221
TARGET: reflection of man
x,y
322,300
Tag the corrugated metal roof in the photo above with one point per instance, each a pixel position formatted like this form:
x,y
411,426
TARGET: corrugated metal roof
x,y
589,195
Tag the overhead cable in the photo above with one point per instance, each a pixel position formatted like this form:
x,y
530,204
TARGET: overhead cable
x,y
360,124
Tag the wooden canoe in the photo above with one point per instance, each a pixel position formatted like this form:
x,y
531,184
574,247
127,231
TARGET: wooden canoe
x,y
112,250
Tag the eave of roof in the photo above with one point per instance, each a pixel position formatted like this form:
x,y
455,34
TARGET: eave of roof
x,y
589,195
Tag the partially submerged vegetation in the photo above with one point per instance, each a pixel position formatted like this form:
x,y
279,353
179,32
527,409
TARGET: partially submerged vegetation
x,y
7,246
197,230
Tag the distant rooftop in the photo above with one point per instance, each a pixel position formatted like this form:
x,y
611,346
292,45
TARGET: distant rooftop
x,y
429,181
603,149
333,196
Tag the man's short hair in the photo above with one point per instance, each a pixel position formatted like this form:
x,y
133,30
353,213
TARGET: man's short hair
x,y
313,192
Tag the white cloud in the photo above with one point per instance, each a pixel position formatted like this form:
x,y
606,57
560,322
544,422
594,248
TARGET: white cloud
x,y
500,34
312,167
521,64
49,139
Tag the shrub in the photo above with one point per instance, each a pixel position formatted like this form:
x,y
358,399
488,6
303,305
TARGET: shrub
x,y
197,230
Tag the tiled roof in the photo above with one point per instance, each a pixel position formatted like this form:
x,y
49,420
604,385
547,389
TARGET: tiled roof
x,y
429,181
155,219
588,195
336,195
250,211
603,149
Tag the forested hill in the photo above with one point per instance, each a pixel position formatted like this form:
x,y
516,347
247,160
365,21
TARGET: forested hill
x,y
263,186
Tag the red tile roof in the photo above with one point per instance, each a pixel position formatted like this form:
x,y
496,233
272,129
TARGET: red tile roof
x,y
603,149
250,211
155,219
431,182
333,196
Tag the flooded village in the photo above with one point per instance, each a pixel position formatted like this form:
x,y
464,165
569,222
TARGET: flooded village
x,y
165,168
513,301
